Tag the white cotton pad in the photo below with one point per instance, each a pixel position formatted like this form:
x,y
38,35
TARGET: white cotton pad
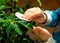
x,y
19,15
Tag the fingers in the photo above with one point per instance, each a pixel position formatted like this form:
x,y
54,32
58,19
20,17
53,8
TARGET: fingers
x,y
41,30
31,35
33,12
42,33
20,16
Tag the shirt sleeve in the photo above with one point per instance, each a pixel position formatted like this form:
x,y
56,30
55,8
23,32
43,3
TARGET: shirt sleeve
x,y
58,13
51,18
50,40
58,10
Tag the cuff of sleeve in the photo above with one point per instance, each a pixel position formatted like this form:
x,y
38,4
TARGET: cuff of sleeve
x,y
50,40
49,18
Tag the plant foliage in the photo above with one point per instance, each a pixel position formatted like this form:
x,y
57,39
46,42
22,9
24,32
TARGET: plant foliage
x,y
12,29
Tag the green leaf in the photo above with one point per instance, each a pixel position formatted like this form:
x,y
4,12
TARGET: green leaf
x,y
39,2
34,23
38,40
11,17
1,15
1,2
8,0
15,0
14,27
1,37
1,20
2,7
26,24
5,15
18,31
21,10
5,23
9,28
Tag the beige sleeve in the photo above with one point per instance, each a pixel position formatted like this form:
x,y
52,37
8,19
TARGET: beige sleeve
x,y
50,40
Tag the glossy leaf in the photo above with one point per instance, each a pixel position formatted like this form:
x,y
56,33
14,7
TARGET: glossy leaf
x,y
21,10
1,2
18,31
39,2
26,24
5,23
1,20
9,28
1,37
15,0
2,7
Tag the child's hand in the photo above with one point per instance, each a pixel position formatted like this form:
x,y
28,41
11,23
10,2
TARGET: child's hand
x,y
35,14
40,33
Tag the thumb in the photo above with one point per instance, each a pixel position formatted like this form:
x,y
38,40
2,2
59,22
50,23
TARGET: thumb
x,y
41,30
41,33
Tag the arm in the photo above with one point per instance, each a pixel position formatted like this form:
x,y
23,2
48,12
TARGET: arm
x,y
58,10
51,18
57,13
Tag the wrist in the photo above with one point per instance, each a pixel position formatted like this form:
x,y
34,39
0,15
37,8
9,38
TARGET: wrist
x,y
44,18
48,19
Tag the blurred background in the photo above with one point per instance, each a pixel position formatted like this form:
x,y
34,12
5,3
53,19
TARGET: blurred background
x,y
46,4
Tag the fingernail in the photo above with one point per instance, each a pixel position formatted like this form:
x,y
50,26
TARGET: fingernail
x,y
23,16
34,27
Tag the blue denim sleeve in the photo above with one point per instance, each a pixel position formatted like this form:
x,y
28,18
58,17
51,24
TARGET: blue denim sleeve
x,y
56,36
58,13
52,17
58,10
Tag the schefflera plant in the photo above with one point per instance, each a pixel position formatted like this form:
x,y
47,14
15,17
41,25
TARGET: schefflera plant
x,y
12,29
